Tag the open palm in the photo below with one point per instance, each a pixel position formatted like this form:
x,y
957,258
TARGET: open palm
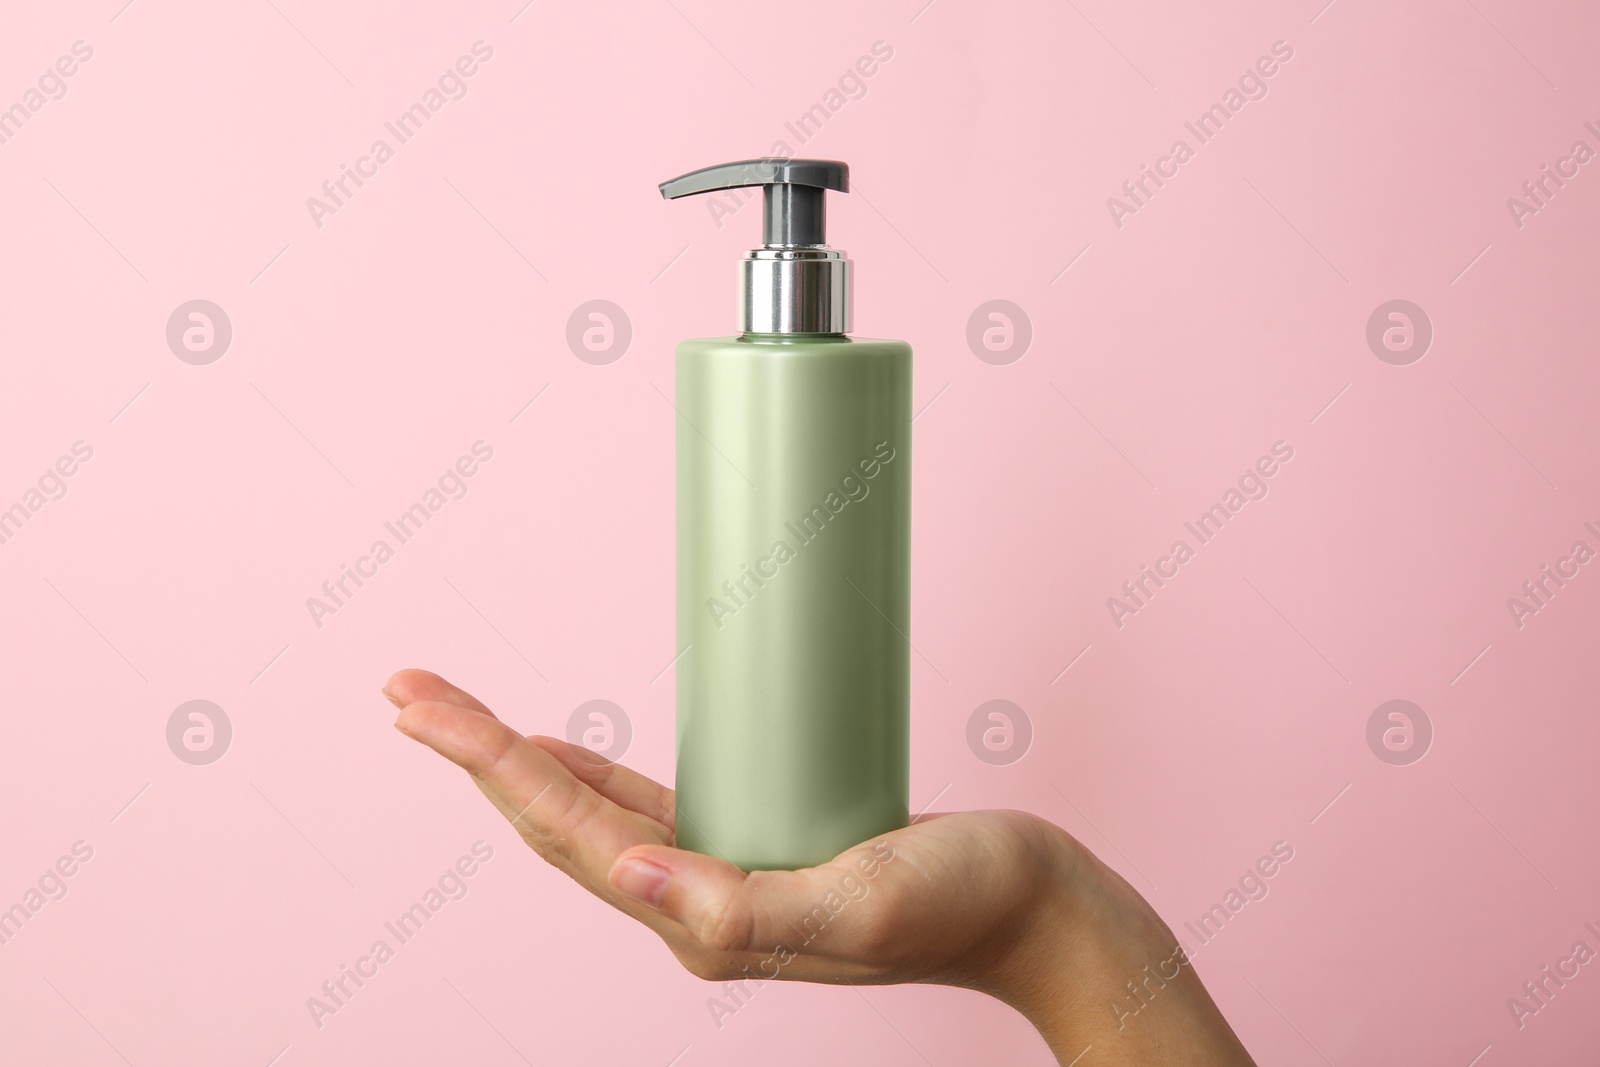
x,y
1000,901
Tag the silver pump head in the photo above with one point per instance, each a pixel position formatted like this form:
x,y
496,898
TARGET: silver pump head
x,y
793,283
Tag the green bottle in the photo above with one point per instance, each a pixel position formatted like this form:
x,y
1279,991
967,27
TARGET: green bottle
x,y
793,550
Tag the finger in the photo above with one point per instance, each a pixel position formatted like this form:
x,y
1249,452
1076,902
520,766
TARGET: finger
x,y
621,785
732,913
566,822
411,685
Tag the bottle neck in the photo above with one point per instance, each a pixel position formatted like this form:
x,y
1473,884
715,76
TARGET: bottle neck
x,y
794,338
794,289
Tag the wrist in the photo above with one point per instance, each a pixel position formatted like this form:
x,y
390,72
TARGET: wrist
x,y
1090,962
1083,934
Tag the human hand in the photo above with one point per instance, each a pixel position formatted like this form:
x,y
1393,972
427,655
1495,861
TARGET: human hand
x,y
998,901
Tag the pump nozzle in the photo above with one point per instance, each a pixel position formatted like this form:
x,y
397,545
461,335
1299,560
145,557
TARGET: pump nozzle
x,y
793,191
794,283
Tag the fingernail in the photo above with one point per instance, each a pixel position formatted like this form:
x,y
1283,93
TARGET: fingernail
x,y
391,698
642,881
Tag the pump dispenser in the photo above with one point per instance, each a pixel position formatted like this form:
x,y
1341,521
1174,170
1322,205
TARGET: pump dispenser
x,y
794,283
793,549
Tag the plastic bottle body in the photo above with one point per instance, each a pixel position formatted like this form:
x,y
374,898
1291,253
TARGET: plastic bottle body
x,y
793,595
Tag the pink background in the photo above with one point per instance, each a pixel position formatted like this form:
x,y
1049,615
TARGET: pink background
x,y
369,353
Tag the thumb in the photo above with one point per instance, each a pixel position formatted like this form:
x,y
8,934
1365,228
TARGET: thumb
x,y
723,908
